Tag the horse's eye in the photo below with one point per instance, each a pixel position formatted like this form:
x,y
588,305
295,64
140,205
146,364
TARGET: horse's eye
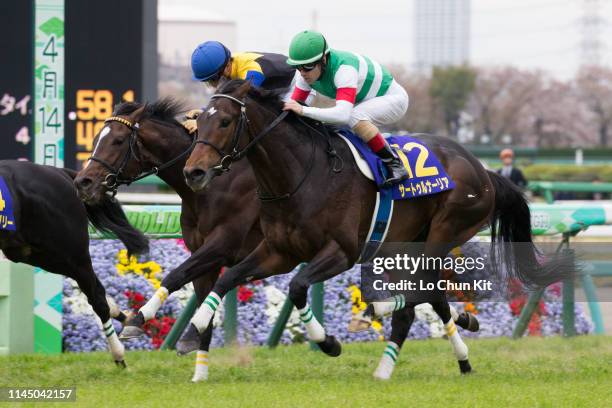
x,y
118,141
225,122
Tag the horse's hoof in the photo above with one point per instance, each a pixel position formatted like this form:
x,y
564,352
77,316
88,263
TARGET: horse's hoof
x,y
133,327
121,364
330,346
468,321
473,324
359,323
465,367
199,378
189,341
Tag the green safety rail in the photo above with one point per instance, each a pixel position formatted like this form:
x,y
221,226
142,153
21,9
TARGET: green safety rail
x,y
155,221
16,312
151,181
163,221
547,188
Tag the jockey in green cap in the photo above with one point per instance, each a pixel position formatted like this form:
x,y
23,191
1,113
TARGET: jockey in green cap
x,y
366,94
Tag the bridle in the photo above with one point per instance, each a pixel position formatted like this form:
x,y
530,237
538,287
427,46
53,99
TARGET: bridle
x,y
226,159
114,178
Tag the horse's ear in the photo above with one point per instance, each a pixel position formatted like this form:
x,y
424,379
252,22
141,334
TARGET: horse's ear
x,y
243,89
137,114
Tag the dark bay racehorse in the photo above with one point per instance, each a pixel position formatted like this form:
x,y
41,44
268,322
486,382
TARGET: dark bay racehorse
x,y
311,212
51,231
219,229
220,226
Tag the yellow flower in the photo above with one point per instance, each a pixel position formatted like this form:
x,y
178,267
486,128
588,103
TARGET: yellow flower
x,y
377,325
358,305
149,270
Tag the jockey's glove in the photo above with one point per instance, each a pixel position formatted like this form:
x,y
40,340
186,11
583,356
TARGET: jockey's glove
x,y
193,114
191,125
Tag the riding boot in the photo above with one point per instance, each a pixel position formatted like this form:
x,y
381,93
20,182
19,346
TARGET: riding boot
x,y
395,168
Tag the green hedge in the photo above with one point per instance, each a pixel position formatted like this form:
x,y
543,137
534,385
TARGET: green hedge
x,y
557,172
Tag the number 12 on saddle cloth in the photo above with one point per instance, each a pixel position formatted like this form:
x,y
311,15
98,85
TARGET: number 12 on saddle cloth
x,y
426,175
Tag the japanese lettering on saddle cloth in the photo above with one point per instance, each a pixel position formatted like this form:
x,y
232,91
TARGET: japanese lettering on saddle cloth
x,y
7,219
426,175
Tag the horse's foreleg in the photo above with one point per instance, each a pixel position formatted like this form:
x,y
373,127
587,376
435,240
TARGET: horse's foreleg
x,y
202,287
329,262
91,286
400,326
208,259
260,264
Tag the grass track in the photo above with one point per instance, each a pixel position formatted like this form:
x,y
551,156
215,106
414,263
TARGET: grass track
x,y
550,372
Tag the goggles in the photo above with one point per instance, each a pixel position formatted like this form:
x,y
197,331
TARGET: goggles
x,y
307,67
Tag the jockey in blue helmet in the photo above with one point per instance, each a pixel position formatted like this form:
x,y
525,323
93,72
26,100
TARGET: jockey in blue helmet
x,y
212,61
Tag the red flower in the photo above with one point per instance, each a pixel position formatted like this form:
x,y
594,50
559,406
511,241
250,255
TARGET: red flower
x,y
542,307
135,299
244,294
516,306
535,326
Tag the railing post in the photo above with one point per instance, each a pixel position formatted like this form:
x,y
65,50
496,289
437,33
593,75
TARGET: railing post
x,y
180,324
525,317
230,317
281,322
591,296
569,317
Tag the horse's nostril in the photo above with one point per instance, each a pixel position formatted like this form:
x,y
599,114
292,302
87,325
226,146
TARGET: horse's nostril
x,y
195,174
83,182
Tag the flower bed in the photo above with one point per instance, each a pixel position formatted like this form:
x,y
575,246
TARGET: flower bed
x,y
131,281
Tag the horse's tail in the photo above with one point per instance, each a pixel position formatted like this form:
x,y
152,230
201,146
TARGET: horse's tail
x,y
511,236
108,217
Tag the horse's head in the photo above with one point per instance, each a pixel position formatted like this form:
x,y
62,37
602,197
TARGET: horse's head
x,y
220,128
125,148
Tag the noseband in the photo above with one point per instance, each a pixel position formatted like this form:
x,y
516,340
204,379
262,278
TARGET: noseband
x,y
113,179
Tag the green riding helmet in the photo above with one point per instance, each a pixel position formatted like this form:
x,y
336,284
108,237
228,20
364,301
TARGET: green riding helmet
x,y
306,47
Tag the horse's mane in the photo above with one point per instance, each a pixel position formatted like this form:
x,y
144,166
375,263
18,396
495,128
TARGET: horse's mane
x,y
163,110
269,98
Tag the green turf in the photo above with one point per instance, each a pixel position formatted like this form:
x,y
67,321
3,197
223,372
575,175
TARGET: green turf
x,y
549,372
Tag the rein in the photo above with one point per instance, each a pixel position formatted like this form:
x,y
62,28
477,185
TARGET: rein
x,y
226,159
114,179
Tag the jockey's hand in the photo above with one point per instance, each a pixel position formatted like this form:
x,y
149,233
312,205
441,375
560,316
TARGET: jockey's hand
x,y
191,125
193,114
293,106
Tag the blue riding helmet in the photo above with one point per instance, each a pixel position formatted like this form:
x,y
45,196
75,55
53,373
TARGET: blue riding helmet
x,y
208,59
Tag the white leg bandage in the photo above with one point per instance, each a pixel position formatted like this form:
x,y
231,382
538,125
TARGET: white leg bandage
x,y
152,306
314,330
453,313
201,366
116,347
459,347
390,305
387,362
201,319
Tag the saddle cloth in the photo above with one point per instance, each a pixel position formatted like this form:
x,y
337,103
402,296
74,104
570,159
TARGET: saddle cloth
x,y
427,176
